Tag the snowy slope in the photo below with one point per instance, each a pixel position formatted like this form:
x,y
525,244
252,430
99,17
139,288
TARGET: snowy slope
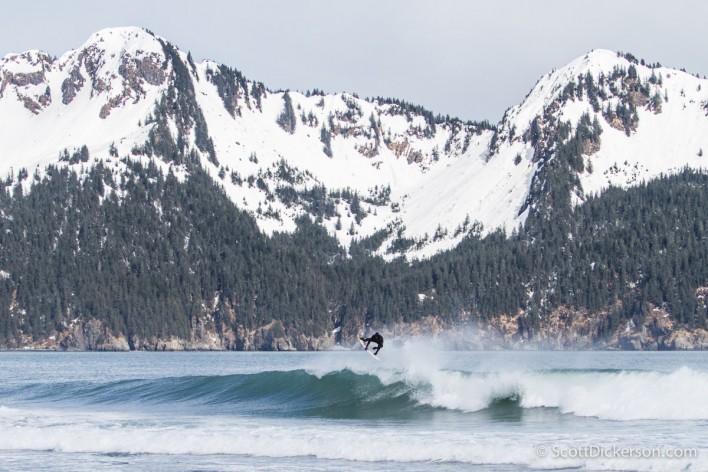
x,y
414,185
386,165
42,128
664,141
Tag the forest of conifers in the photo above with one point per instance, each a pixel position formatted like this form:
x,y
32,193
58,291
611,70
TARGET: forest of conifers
x,y
150,261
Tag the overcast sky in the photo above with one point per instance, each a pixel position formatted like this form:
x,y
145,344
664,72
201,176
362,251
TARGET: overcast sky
x,y
470,59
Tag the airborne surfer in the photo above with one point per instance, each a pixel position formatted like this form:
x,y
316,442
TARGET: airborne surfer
x,y
375,338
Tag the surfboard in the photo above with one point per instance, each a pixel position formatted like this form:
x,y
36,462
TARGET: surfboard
x,y
363,344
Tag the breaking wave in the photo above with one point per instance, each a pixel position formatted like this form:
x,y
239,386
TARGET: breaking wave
x,y
347,409
345,393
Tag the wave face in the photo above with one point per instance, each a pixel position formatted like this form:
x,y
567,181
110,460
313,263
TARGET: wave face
x,y
341,411
340,394
347,394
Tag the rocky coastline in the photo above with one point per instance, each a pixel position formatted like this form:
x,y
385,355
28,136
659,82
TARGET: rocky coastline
x,y
564,329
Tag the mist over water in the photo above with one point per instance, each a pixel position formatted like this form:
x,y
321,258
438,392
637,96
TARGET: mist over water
x,y
341,410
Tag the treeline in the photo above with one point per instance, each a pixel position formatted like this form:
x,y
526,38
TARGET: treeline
x,y
640,247
149,262
165,252
148,254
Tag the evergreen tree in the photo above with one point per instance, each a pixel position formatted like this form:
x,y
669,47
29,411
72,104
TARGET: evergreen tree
x,y
287,119
326,138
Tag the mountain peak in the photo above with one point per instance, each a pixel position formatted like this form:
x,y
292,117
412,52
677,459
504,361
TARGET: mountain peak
x,y
116,43
359,167
603,58
127,37
552,84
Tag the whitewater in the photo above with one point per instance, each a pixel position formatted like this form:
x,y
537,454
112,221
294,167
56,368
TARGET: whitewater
x,y
339,410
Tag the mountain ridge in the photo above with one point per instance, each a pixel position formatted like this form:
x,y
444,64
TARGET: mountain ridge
x,y
153,202
119,88
387,146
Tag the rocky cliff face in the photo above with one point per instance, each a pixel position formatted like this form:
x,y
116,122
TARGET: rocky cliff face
x,y
564,329
567,329
93,335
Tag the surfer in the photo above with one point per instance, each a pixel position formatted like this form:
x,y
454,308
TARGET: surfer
x,y
375,338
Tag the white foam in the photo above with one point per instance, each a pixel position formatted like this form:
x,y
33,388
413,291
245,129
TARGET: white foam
x,y
620,396
103,433
679,395
611,395
89,432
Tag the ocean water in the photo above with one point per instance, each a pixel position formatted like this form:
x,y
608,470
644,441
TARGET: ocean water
x,y
420,407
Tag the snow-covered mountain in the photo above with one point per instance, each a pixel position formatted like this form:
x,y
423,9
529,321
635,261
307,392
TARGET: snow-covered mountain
x,y
652,120
359,167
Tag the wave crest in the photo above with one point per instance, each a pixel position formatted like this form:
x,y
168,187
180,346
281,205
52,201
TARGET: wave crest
x,y
400,393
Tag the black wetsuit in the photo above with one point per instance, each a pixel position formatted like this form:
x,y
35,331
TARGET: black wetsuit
x,y
376,338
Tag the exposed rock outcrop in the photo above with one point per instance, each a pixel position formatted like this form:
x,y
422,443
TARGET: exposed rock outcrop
x,y
72,85
92,336
273,337
563,329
